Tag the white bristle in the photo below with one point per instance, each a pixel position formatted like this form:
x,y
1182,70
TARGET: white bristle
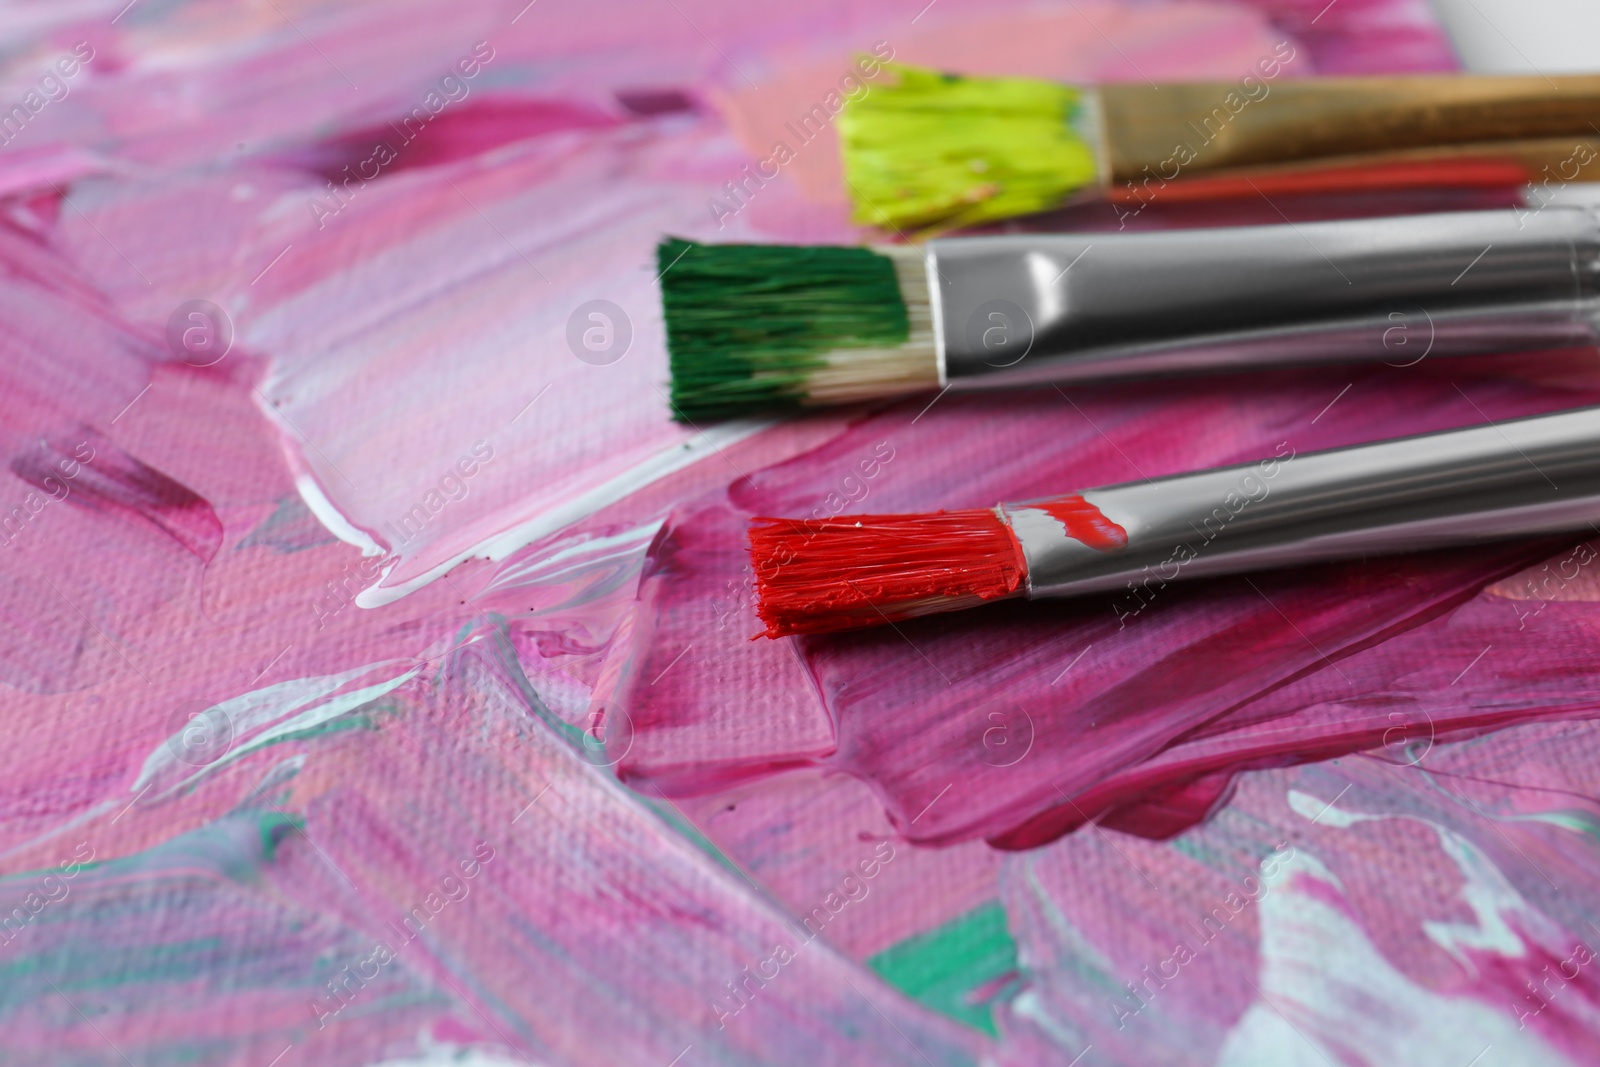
x,y
869,373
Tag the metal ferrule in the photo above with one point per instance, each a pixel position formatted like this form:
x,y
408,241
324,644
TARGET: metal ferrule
x,y
1528,476
1040,308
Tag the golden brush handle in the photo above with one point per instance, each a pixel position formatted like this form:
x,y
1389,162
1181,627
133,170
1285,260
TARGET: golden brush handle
x,y
1197,127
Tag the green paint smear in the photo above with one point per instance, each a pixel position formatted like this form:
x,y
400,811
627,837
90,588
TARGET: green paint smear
x,y
1577,822
747,324
337,725
938,150
89,968
943,967
273,826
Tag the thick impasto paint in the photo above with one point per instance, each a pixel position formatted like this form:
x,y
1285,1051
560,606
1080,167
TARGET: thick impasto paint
x,y
377,674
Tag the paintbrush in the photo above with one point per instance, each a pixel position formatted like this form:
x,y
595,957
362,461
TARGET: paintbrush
x,y
1527,476
755,328
925,149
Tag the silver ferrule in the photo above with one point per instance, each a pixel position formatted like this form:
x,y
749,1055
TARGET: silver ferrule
x,y
1522,477
1040,308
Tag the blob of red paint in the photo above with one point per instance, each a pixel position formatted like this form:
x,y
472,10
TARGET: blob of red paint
x,y
1085,522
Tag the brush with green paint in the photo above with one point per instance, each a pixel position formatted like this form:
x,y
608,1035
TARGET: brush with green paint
x,y
926,150
760,328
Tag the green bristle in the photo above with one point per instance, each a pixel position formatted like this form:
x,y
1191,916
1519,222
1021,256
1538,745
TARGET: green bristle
x,y
938,150
746,324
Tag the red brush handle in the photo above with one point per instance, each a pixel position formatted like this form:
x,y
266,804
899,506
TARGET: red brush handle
x,y
1482,173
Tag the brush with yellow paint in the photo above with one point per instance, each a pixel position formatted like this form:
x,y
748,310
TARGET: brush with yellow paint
x,y
938,151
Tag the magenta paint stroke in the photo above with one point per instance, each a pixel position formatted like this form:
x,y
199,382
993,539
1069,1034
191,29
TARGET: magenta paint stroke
x,y
909,707
520,792
390,909
1444,888
805,832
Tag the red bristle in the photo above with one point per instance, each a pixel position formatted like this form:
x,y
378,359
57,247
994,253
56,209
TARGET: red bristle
x,y
824,575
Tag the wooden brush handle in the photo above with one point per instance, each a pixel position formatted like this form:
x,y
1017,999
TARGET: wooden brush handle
x,y
1375,174
1198,127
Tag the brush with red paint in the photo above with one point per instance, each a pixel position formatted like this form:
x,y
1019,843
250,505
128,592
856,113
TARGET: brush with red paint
x,y
1519,478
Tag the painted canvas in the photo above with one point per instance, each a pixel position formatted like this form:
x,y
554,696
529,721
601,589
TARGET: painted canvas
x,y
377,675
